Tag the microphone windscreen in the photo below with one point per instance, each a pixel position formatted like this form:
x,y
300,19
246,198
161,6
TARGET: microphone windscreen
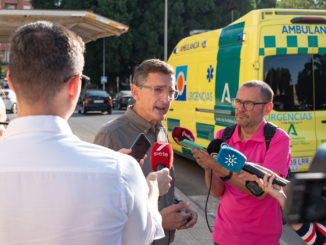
x,y
215,146
161,153
231,159
180,133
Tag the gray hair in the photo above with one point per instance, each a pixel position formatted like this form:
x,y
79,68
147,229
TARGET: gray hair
x,y
151,66
265,90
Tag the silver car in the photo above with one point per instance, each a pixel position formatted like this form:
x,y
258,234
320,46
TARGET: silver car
x,y
9,97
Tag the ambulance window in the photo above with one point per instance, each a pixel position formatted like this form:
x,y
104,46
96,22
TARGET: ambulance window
x,y
290,77
320,80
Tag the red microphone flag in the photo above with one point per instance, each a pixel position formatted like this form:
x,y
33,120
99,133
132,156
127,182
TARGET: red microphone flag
x,y
180,133
161,154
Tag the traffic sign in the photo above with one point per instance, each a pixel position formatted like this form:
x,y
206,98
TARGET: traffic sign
x,y
104,79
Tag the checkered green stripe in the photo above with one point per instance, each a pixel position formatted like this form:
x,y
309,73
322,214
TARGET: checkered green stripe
x,y
292,42
172,123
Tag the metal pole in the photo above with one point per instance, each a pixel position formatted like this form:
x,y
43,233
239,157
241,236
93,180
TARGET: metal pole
x,y
166,31
103,84
232,16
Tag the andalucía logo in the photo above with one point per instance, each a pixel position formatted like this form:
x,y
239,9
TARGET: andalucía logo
x,y
181,82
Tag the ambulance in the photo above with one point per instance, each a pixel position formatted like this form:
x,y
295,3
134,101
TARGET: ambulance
x,y
286,48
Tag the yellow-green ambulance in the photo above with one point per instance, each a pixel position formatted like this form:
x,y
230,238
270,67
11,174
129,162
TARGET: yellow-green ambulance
x,y
285,48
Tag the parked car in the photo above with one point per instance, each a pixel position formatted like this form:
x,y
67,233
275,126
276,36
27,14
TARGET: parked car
x,y
131,101
95,100
9,97
121,99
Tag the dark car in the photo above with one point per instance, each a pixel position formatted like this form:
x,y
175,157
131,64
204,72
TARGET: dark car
x,y
121,99
95,100
131,101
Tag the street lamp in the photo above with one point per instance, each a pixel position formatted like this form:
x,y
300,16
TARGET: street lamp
x,y
166,31
103,77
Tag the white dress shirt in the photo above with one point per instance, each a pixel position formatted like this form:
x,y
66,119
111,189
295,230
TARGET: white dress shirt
x,y
57,189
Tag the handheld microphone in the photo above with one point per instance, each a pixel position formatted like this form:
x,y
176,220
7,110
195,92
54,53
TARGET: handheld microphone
x,y
180,133
235,161
161,156
214,147
185,138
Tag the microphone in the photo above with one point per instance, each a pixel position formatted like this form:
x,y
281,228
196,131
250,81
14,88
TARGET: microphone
x,y
161,156
180,133
214,147
235,161
185,138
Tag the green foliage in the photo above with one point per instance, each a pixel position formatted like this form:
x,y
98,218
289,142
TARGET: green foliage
x,y
145,38
260,4
49,4
302,4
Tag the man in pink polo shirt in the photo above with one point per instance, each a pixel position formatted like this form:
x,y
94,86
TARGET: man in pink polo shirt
x,y
241,217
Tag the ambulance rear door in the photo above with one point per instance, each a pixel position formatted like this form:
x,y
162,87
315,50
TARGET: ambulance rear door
x,y
288,68
291,79
320,94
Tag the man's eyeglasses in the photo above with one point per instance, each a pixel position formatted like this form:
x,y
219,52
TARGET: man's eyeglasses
x,y
160,91
5,124
247,105
85,79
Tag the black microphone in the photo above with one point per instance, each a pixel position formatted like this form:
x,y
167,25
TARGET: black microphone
x,y
251,168
235,161
214,147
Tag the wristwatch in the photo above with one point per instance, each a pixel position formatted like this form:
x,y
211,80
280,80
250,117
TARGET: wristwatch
x,y
225,178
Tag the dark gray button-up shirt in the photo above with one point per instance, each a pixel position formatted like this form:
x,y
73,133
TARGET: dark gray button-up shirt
x,y
121,133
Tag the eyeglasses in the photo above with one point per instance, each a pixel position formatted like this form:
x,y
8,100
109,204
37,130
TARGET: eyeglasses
x,y
5,124
247,105
159,91
85,79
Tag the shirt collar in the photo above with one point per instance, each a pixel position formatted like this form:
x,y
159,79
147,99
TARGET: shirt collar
x,y
141,123
258,137
37,124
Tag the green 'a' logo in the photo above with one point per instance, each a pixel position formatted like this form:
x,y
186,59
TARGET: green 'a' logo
x,y
292,130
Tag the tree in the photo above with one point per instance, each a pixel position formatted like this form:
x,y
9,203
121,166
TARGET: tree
x,y
302,4
145,38
260,4
49,4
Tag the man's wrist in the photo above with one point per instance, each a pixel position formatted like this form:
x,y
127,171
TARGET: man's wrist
x,y
227,177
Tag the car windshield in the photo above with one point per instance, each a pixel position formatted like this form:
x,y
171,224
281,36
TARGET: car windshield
x,y
126,93
97,93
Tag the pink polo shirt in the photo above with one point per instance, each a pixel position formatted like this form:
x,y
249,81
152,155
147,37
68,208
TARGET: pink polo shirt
x,y
244,219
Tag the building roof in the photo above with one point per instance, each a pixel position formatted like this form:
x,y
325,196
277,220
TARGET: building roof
x,y
87,25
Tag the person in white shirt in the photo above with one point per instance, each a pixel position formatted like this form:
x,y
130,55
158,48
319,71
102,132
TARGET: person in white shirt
x,y
55,188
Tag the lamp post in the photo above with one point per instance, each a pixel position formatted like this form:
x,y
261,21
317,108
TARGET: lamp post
x,y
231,7
166,31
103,84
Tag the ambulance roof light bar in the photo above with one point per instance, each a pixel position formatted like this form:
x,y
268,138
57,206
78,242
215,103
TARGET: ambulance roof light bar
x,y
308,20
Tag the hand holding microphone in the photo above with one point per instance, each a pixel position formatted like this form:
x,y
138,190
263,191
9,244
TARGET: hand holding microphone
x,y
186,138
180,133
235,161
161,162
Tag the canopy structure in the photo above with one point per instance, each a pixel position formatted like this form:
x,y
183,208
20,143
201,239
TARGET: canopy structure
x,y
87,25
